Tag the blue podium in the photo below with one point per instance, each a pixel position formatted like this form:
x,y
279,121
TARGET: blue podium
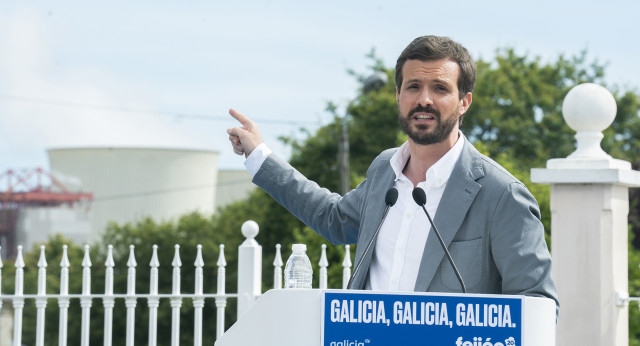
x,y
299,317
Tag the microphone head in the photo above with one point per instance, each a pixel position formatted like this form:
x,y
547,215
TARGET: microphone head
x,y
391,197
419,196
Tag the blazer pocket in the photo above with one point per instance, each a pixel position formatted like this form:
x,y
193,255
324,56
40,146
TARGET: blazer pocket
x,y
467,255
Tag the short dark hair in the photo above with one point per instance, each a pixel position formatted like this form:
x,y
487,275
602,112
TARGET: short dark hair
x,y
431,47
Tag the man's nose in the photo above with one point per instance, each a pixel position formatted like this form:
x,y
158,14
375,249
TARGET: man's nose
x,y
424,98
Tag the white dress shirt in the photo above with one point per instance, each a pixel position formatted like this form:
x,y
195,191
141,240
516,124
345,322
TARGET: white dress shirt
x,y
398,250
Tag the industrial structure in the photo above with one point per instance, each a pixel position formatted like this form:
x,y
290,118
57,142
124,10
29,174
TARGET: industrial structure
x,y
130,184
33,190
89,188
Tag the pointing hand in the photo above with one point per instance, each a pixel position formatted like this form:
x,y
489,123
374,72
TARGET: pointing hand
x,y
246,138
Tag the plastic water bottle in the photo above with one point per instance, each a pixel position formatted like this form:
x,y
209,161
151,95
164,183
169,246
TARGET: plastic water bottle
x,y
298,272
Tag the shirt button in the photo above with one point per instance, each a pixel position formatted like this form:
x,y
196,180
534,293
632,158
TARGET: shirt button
x,y
400,248
407,215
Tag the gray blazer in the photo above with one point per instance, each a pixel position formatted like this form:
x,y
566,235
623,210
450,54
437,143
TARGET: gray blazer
x,y
488,220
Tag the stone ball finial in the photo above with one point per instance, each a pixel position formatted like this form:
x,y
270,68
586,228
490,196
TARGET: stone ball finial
x,y
250,229
589,109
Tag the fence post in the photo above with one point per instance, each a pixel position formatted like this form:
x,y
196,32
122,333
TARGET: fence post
x,y
108,302
18,299
63,301
221,300
277,269
130,301
323,264
198,299
589,200
249,268
85,299
153,301
41,300
176,301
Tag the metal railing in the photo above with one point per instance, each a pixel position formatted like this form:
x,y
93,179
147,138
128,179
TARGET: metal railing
x,y
246,273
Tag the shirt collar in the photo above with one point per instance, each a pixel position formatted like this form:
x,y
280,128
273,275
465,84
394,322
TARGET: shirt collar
x,y
438,174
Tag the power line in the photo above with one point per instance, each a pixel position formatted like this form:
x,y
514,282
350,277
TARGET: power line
x,y
180,115
171,190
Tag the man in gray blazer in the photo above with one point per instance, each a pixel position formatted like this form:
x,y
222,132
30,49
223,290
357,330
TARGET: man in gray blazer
x,y
488,220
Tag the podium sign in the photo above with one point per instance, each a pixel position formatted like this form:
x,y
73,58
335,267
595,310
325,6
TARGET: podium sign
x,y
370,319
311,317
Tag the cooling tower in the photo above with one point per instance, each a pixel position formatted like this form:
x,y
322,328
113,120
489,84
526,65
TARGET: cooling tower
x,y
130,184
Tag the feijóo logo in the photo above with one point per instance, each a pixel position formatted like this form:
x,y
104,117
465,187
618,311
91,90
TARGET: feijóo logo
x,y
477,341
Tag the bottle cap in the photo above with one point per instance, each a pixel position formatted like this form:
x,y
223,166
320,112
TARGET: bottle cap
x,y
299,247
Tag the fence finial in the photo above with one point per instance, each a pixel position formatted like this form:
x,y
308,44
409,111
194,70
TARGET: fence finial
x,y
199,263
222,262
346,272
109,264
154,257
323,263
176,257
589,109
153,277
277,268
42,273
86,260
64,261
19,260
42,261
131,262
250,230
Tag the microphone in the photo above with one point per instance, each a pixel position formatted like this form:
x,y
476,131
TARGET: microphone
x,y
420,197
389,199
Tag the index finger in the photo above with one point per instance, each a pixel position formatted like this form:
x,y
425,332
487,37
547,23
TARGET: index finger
x,y
239,116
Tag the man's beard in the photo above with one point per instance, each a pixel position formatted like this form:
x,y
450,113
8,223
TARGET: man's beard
x,y
441,131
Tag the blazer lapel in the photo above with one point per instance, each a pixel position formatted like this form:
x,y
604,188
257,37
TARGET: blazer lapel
x,y
381,181
456,200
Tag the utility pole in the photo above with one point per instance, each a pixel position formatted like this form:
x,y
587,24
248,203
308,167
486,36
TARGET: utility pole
x,y
373,82
343,157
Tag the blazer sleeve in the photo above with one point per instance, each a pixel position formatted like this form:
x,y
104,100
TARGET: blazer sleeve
x,y
334,217
518,246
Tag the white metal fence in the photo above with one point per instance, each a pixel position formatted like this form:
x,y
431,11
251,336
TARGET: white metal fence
x,y
249,289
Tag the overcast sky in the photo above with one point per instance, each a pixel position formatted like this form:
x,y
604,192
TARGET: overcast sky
x,y
165,73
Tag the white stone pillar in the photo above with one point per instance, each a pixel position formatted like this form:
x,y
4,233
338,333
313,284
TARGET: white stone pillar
x,y
589,212
249,268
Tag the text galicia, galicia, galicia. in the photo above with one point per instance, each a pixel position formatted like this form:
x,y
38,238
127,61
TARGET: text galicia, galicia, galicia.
x,y
421,313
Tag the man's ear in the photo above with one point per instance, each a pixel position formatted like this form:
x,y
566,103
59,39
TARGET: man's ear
x,y
465,102
397,95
